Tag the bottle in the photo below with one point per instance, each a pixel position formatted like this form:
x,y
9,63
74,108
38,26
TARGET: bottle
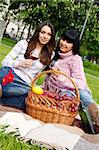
x,y
86,120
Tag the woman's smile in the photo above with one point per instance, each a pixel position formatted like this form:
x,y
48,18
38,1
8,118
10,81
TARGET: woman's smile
x,y
45,35
65,46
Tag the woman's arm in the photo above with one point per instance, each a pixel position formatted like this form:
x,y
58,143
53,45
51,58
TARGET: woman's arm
x,y
16,54
77,72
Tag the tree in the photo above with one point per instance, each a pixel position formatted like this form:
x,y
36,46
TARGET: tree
x,y
10,13
62,13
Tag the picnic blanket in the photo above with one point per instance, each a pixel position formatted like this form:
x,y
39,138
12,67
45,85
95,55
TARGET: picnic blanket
x,y
58,135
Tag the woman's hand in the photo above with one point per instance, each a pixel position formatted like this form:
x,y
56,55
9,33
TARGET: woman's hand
x,y
25,63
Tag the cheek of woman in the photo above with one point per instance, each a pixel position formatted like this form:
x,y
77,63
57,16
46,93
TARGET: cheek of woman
x,y
65,46
43,39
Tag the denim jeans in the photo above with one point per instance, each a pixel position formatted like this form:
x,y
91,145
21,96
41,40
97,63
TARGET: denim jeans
x,y
14,93
16,88
14,101
86,97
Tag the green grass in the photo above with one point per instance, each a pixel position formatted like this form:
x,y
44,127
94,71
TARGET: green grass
x,y
3,51
10,142
8,41
91,68
92,82
92,72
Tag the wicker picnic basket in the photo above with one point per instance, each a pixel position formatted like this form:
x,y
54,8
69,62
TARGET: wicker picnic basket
x,y
48,109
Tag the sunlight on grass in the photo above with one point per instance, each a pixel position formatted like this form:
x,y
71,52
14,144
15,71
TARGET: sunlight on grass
x,y
92,72
93,84
8,41
3,51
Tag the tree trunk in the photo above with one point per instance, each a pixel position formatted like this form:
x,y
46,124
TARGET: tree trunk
x,y
23,31
97,59
7,22
29,30
18,30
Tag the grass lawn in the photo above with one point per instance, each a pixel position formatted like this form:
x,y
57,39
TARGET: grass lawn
x,y
8,42
94,86
92,72
92,81
3,51
11,142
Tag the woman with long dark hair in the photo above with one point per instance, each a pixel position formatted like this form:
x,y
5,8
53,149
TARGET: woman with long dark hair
x,y
24,61
69,61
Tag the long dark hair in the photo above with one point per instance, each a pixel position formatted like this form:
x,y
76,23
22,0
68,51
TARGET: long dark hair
x,y
71,36
46,52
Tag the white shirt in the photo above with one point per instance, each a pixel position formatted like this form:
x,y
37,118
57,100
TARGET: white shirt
x,y
16,55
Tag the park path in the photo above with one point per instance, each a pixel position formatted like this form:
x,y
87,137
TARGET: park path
x,y
92,76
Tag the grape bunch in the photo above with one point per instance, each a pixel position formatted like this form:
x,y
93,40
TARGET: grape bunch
x,y
60,101
57,96
73,107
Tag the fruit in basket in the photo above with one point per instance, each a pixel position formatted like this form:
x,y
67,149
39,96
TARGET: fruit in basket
x,y
73,107
49,94
57,97
37,90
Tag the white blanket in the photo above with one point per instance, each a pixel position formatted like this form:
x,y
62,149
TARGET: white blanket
x,y
35,129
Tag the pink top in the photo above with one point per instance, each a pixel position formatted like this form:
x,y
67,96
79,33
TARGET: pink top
x,y
72,65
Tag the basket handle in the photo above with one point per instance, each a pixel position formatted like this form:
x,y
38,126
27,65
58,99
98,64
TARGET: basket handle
x,y
57,72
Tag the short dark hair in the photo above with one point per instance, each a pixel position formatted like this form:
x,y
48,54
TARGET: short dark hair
x,y
71,36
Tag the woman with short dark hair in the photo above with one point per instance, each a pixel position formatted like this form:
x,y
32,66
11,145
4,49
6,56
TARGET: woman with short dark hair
x,y
70,62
